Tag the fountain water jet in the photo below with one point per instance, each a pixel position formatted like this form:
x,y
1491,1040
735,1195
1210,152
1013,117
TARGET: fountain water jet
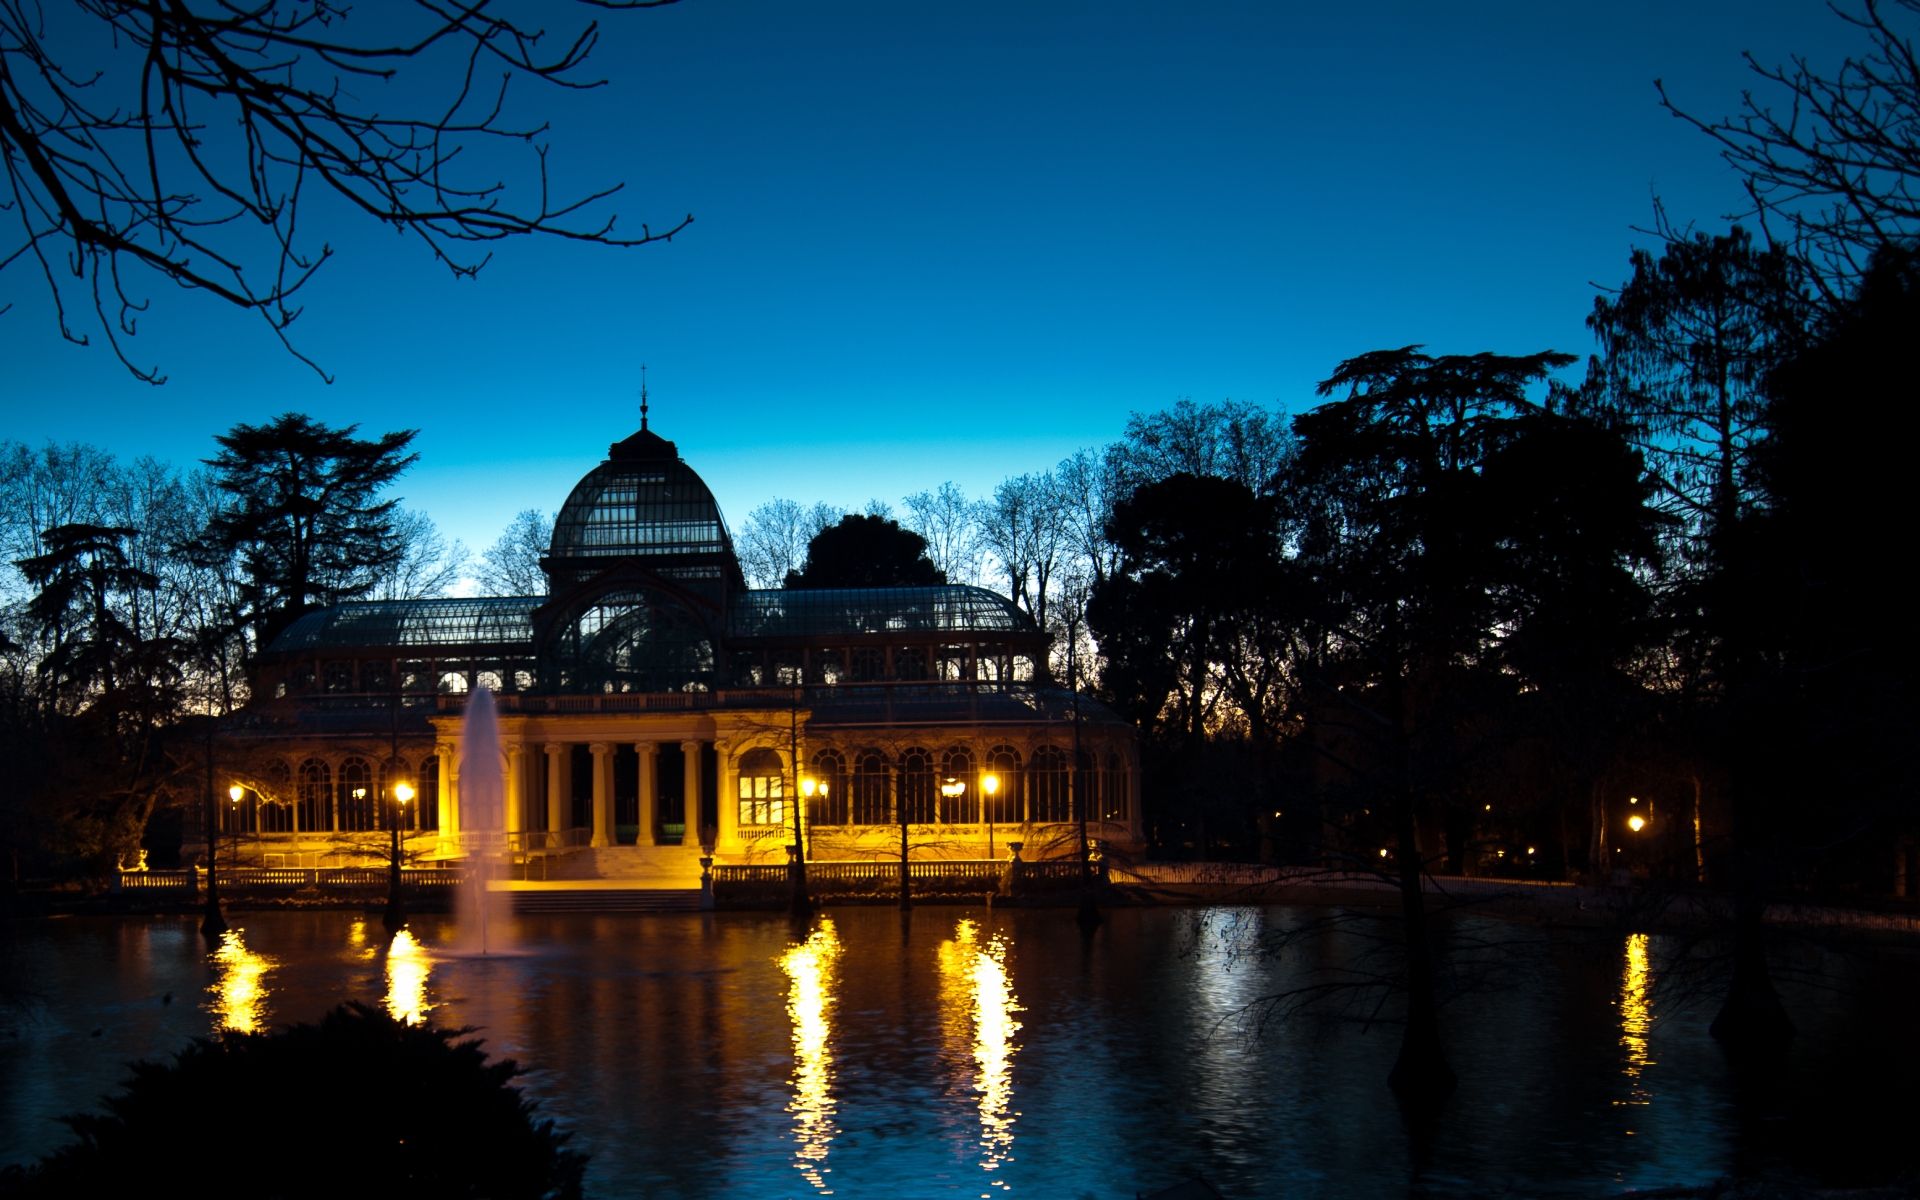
x,y
482,927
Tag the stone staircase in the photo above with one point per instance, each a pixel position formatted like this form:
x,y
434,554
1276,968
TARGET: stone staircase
x,y
668,868
604,899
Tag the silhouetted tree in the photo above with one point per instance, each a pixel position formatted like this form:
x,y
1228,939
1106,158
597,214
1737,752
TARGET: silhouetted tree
x,y
866,551
401,1110
511,566
308,521
1837,164
183,142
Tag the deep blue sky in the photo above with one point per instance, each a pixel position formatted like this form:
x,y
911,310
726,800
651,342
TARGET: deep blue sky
x,y
958,241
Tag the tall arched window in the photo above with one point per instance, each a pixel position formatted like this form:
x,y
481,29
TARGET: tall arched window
x,y
359,797
394,772
959,788
276,804
1113,792
870,791
763,785
1004,807
829,805
1048,795
428,801
314,811
917,792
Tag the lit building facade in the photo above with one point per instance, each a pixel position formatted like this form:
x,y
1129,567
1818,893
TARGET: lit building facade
x,y
652,708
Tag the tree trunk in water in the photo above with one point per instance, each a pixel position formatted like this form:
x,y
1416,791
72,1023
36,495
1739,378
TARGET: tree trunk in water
x,y
1752,1014
1420,1076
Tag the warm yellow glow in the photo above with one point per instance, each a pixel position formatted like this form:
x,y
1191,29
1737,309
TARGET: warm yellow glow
x,y
1636,1011
808,787
810,966
1529,849
1635,823
952,788
235,792
978,999
1383,852
407,970
239,991
402,792
990,784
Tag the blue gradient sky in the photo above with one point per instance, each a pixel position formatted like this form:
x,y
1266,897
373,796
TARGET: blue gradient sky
x,y
958,241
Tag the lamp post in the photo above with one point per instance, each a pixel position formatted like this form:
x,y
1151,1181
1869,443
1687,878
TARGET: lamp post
x,y
990,784
214,924
396,915
801,906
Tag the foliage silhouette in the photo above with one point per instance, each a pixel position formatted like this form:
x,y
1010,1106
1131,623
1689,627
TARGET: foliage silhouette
x,y
866,551
389,1108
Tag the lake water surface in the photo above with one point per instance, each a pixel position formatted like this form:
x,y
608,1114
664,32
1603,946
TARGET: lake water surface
x,y
975,1054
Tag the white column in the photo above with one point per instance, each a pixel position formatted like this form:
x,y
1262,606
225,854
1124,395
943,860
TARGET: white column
x,y
690,789
602,794
449,756
644,751
727,811
559,811
514,820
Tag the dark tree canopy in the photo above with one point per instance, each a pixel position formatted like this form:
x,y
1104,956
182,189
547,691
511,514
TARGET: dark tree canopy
x,y
389,1108
866,551
308,519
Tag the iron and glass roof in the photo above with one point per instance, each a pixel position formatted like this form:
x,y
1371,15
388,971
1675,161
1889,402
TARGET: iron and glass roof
x,y
639,508
496,622
821,612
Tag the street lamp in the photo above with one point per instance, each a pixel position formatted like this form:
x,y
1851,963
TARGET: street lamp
x,y
396,915
1635,823
989,783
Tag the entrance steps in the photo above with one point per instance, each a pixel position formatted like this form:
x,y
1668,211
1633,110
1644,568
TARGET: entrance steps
x,y
671,868
603,899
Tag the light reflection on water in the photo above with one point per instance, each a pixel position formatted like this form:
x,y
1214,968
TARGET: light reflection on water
x,y
977,995
407,969
240,990
721,1055
810,966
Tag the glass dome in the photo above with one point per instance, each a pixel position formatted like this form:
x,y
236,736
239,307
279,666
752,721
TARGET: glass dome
x,y
641,503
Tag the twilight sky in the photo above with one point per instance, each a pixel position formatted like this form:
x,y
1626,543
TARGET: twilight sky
x,y
957,242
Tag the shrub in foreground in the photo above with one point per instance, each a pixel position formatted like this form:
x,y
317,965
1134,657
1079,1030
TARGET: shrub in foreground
x,y
359,1105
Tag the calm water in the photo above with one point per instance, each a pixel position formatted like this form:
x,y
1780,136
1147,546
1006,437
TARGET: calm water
x,y
984,1055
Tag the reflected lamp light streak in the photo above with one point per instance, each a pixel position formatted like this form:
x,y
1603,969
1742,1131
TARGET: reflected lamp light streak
x,y
810,966
239,990
1636,1013
407,969
986,990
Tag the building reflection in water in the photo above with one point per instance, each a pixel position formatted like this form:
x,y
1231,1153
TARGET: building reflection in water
x,y
407,970
239,990
1636,1014
979,993
810,967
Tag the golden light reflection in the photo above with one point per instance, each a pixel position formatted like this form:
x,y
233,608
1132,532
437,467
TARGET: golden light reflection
x,y
407,970
239,991
1636,1013
810,967
979,993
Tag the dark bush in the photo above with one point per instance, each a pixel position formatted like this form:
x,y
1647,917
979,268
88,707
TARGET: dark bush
x,y
359,1105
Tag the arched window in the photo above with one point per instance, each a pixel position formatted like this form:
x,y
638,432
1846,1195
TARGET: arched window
x,y
763,780
1005,805
1113,793
428,801
869,663
1048,795
388,810
359,797
959,788
830,789
917,794
276,807
870,791
314,810
910,662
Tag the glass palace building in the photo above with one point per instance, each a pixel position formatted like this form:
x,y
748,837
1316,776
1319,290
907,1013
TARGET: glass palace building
x,y
652,707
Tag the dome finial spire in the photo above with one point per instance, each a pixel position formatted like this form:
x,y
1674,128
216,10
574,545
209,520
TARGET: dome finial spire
x,y
643,397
